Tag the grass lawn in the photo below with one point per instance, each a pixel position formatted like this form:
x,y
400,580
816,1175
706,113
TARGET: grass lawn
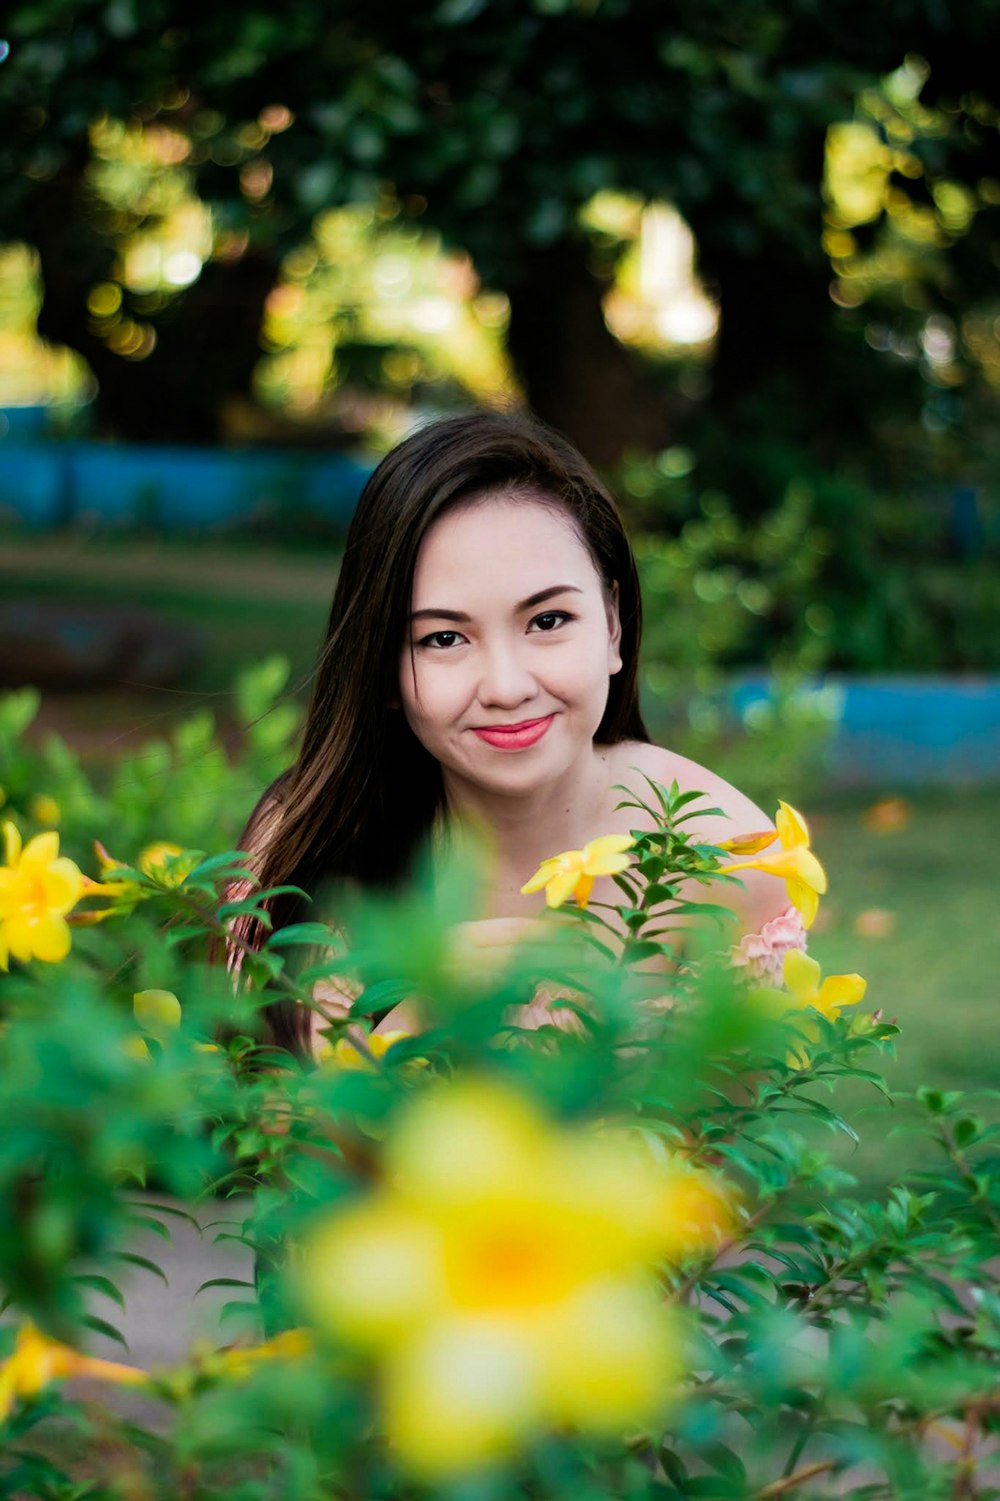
x,y
914,910
245,601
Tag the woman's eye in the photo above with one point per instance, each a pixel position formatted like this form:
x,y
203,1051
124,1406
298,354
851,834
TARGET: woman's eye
x,y
442,640
550,620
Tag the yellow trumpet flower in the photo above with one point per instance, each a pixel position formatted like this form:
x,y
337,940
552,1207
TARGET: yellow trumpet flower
x,y
829,996
37,1361
164,863
572,873
794,862
345,1052
159,1013
806,989
38,887
500,1276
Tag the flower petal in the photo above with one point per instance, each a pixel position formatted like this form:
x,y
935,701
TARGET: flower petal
x,y
373,1273
157,1011
811,871
841,990
50,938
749,844
801,974
546,871
805,899
596,851
11,842
460,1396
41,850
62,883
584,886
792,827
561,887
611,1359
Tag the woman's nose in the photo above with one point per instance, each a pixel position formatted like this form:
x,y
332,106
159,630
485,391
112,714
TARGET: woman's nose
x,y
506,680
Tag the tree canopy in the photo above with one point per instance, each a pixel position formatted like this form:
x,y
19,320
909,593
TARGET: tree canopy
x,y
496,121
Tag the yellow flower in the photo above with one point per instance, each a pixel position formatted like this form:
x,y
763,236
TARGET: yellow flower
x,y
699,1207
37,1360
158,1012
802,977
38,887
500,1278
806,990
572,873
241,1360
345,1052
794,862
167,864
125,895
44,809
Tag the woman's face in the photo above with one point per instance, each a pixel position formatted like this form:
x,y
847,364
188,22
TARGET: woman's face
x,y
511,641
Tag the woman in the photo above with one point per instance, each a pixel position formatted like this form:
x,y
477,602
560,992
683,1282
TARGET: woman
x,y
480,664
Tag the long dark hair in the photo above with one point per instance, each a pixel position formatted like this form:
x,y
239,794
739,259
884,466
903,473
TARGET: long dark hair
x,y
364,793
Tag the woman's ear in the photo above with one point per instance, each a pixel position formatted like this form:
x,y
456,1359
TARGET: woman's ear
x,y
614,630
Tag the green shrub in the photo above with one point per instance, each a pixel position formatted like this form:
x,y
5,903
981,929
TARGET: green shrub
x,y
808,569
594,1260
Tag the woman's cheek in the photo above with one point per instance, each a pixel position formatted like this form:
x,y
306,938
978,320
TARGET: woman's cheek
x,y
433,700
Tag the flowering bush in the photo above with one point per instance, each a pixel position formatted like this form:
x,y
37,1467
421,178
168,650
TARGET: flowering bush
x,y
606,1259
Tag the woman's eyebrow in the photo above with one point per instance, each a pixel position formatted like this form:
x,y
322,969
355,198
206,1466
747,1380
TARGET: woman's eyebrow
x,y
440,615
544,594
526,604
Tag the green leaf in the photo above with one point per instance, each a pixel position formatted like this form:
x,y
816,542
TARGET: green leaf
x,y
101,1284
101,1326
966,1130
134,1259
303,932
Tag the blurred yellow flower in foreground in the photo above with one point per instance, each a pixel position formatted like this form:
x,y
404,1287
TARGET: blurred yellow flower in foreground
x,y
794,862
501,1277
346,1053
242,1360
572,873
37,1360
159,1013
38,887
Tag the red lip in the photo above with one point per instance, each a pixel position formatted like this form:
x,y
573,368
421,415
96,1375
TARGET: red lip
x,y
515,736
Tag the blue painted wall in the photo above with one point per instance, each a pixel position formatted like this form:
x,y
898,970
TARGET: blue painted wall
x,y
44,484
906,731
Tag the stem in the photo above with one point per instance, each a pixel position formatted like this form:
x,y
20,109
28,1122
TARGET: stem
x,y
959,1161
791,1482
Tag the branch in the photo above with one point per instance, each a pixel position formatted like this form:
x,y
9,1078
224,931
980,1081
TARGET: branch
x,y
790,1482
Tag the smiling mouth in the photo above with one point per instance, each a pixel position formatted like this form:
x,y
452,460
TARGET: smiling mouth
x,y
515,736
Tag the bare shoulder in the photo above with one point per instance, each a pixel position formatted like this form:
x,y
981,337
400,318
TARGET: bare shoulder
x,y
762,896
737,813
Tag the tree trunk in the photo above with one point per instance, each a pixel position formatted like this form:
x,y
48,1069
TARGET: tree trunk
x,y
575,373
207,337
